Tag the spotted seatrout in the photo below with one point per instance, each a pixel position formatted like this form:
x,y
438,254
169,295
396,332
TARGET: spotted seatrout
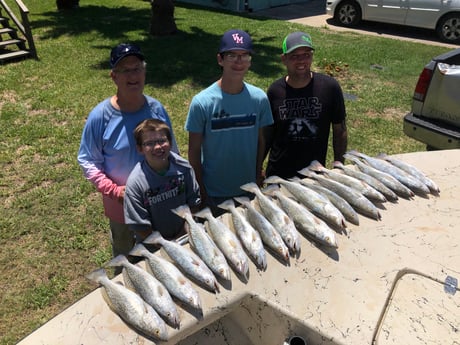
x,y
171,277
315,202
227,242
370,180
203,244
304,220
190,263
410,169
279,219
387,179
130,306
249,236
149,288
267,232
408,180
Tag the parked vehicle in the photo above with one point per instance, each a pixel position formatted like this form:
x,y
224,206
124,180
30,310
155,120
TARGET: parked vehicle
x,y
435,115
440,15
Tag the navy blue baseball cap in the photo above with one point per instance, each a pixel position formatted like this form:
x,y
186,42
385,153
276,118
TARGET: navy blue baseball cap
x,y
235,40
123,50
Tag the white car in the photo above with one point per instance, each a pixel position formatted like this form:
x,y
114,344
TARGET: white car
x,y
440,15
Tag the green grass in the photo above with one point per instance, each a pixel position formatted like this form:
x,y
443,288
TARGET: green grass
x,y
53,230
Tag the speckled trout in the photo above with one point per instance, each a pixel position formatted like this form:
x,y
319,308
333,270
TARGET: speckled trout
x,y
279,219
249,236
130,306
342,205
149,288
304,220
359,185
267,232
315,202
408,180
172,278
190,263
388,180
370,180
358,201
203,244
410,169
227,242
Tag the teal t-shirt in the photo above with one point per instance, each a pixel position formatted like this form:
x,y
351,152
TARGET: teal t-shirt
x,y
230,127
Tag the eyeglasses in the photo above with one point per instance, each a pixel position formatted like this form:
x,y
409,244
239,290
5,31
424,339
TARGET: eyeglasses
x,y
299,57
152,143
135,70
231,57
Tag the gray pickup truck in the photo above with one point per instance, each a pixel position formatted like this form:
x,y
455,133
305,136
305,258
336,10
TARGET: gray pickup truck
x,y
435,115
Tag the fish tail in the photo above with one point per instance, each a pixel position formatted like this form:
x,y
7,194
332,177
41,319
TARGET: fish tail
x,y
182,210
154,238
355,153
337,165
306,172
97,276
273,179
271,190
243,200
227,204
315,166
249,187
138,250
119,260
204,213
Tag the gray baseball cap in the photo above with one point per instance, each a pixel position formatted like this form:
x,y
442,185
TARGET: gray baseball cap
x,y
296,40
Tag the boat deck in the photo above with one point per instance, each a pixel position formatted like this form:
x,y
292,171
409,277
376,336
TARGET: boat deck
x,y
390,282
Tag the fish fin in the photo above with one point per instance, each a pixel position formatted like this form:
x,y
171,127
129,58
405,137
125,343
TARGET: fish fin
x,y
138,250
154,238
97,276
119,260
204,213
243,200
337,165
107,299
315,166
273,179
270,190
227,204
249,187
182,210
128,282
306,172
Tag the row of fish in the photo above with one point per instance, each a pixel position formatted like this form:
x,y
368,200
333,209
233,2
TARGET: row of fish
x,y
313,206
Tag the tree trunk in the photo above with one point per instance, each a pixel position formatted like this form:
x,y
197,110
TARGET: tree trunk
x,y
162,21
66,4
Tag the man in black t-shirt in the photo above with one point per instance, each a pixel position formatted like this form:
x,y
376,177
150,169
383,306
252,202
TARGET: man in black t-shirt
x,y
305,105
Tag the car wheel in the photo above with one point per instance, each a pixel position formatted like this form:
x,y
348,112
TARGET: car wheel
x,y
448,28
348,13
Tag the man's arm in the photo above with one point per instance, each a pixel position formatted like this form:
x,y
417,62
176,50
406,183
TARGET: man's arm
x,y
265,135
194,157
339,140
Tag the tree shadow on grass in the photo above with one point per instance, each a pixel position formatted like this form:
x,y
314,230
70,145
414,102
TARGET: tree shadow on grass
x,y
170,59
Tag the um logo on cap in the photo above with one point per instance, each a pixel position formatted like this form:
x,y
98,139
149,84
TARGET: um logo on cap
x,y
237,38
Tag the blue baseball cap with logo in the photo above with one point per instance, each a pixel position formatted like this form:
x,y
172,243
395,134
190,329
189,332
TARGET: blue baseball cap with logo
x,y
235,40
296,40
123,50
